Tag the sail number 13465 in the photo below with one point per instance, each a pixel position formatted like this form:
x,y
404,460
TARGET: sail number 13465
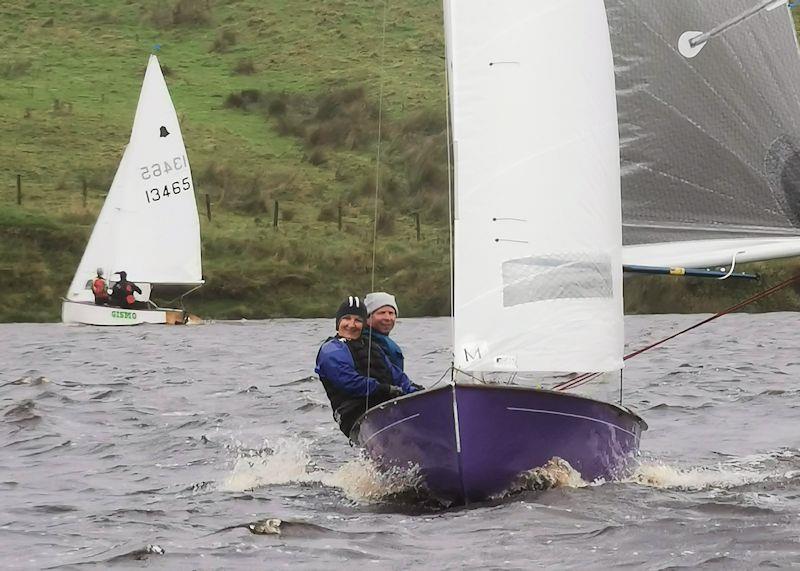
x,y
163,167
159,192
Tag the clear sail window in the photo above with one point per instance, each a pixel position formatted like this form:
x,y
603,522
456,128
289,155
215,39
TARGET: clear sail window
x,y
564,276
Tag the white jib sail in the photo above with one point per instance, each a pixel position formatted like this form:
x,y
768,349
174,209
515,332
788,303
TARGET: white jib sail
x,y
538,284
148,225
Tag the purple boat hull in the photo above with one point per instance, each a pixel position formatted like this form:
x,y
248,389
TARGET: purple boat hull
x,y
472,441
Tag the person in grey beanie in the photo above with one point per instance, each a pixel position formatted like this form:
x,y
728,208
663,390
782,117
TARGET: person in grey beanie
x,y
382,315
381,318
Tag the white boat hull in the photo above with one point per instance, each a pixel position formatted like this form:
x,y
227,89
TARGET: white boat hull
x,y
91,314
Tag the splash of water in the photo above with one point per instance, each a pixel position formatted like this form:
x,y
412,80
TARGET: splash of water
x,y
362,481
659,475
556,473
289,461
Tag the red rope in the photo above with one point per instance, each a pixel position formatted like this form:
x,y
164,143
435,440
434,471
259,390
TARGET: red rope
x,y
586,377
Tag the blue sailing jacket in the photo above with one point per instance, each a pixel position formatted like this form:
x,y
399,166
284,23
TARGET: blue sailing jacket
x,y
335,364
390,348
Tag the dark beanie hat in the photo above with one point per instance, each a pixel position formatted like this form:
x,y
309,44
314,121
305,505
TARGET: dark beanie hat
x,y
351,306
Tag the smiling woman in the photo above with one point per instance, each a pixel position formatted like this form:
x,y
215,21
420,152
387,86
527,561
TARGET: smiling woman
x,y
356,374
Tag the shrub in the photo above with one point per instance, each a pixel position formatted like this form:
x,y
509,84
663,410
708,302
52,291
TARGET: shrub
x,y
245,67
190,13
287,214
317,157
385,222
225,40
328,213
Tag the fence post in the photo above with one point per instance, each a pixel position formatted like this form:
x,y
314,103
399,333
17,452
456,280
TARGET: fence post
x,y
340,218
416,215
19,189
208,207
275,215
84,193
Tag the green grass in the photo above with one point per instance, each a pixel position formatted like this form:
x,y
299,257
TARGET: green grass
x,y
278,100
69,82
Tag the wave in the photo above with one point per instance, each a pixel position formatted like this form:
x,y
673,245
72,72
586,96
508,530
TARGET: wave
x,y
782,464
288,461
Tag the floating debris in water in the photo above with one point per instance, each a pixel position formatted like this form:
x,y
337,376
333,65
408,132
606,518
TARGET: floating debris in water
x,y
138,554
31,381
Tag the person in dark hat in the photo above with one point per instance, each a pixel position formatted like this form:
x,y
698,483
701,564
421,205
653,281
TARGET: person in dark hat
x,y
122,292
356,374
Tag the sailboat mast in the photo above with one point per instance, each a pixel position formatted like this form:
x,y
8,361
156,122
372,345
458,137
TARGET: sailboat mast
x,y
450,179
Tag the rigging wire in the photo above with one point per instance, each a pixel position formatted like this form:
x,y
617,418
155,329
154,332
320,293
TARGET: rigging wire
x,y
377,175
586,377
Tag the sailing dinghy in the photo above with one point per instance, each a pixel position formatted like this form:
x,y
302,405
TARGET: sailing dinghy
x,y
537,257
148,225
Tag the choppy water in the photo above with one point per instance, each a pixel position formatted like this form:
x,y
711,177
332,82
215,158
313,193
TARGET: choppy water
x,y
122,448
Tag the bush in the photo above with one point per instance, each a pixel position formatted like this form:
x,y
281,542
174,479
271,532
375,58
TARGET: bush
x,y
277,107
191,13
317,157
245,67
328,213
287,214
385,223
245,99
224,41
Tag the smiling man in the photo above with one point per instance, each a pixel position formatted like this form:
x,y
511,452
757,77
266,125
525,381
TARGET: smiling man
x,y
381,317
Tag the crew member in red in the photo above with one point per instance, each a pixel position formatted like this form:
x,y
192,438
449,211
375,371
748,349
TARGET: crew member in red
x,y
100,288
122,292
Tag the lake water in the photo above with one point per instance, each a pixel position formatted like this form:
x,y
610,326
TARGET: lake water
x,y
129,447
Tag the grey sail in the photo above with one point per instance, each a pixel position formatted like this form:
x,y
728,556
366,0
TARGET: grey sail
x,y
710,145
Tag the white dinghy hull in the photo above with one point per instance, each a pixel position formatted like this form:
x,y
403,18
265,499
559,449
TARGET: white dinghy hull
x,y
90,314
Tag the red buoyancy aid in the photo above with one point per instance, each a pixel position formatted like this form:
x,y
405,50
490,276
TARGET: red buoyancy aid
x,y
129,294
99,288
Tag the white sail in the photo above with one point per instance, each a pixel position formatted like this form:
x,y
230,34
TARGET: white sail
x,y
537,187
148,225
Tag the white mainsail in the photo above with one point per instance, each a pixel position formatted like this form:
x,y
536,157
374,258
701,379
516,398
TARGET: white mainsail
x,y
537,231
148,225
710,145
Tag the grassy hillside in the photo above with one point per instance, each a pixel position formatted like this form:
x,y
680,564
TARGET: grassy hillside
x,y
279,101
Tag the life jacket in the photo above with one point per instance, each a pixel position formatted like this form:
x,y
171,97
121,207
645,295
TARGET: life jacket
x,y
368,361
99,288
129,294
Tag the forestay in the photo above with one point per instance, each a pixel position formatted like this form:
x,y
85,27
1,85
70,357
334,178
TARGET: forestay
x,y
710,145
537,201
148,225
